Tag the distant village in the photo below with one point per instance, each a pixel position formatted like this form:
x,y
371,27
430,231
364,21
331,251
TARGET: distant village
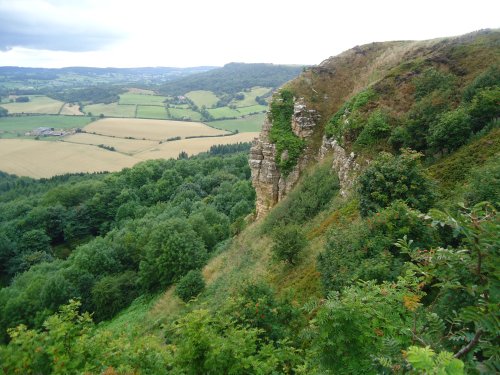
x,y
49,132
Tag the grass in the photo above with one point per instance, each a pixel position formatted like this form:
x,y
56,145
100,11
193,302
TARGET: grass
x,y
251,109
12,126
184,114
111,110
252,123
218,113
151,111
203,98
141,99
37,104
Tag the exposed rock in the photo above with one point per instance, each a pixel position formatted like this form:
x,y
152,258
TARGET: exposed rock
x,y
270,185
344,164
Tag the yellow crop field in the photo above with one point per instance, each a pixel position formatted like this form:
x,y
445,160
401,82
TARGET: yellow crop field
x,y
150,129
193,146
26,157
127,146
71,109
79,153
37,104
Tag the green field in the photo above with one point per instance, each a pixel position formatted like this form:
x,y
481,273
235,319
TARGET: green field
x,y
252,109
203,98
179,113
223,112
110,110
247,124
151,111
141,99
13,127
37,104
249,99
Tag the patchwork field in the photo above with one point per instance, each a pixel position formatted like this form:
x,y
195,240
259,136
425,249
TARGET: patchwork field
x,y
71,109
37,104
13,127
150,129
193,146
251,109
135,98
252,123
203,98
223,112
181,113
39,159
151,111
250,96
111,110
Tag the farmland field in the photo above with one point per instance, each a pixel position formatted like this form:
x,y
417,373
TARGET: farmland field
x,y
251,109
26,157
132,98
127,146
192,146
252,123
71,109
223,112
150,129
111,110
203,98
10,127
37,104
180,113
151,111
250,96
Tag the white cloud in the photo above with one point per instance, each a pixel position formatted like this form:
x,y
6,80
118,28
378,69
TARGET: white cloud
x,y
214,32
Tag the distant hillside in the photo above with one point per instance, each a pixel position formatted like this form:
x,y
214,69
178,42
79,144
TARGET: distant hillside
x,y
233,78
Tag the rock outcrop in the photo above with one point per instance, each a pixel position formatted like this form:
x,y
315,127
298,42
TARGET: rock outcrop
x,y
344,163
270,185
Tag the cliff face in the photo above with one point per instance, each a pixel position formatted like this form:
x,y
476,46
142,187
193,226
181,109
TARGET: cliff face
x,y
270,185
386,68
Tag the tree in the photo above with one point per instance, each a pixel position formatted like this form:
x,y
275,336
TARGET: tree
x,y
173,250
289,241
390,178
3,112
451,131
190,285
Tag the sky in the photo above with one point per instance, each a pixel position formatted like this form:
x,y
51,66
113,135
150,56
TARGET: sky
x,y
182,33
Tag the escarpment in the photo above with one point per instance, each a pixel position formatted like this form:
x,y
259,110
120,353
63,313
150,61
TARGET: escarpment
x,y
333,102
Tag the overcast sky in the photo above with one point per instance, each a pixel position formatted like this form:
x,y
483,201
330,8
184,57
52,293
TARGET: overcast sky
x,y
131,33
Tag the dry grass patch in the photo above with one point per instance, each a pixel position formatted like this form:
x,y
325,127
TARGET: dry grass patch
x,y
37,104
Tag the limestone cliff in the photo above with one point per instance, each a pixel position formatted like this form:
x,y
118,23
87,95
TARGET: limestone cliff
x,y
320,91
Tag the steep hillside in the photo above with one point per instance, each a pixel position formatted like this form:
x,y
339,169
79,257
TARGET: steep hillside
x,y
373,248
348,88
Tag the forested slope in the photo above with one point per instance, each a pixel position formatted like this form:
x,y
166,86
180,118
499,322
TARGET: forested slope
x,y
388,267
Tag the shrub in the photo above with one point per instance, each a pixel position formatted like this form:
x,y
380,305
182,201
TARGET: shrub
x,y
485,184
289,241
485,107
390,178
288,145
190,285
489,78
431,80
452,130
376,128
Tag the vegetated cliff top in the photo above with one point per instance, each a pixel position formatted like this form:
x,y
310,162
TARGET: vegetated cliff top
x,y
392,65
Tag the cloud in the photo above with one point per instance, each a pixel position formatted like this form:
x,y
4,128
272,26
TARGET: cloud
x,y
54,25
